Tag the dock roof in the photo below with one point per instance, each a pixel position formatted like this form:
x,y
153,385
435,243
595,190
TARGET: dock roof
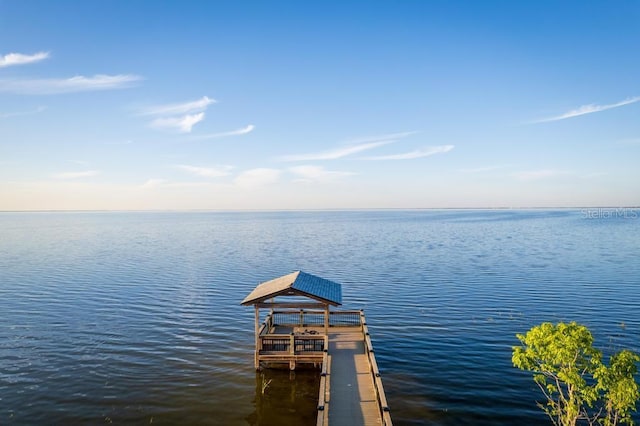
x,y
297,283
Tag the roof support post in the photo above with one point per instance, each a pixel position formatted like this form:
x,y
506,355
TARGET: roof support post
x,y
326,319
256,360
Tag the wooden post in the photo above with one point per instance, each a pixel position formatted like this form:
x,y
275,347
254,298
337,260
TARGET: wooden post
x,y
326,319
292,344
256,360
292,351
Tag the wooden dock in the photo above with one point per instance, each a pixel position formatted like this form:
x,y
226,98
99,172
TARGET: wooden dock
x,y
351,391
338,342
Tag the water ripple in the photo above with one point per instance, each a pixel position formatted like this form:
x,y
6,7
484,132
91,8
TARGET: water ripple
x,y
135,317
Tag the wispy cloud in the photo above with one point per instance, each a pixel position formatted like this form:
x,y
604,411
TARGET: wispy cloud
x,y
179,117
11,59
153,183
386,137
238,132
198,105
208,172
21,113
316,174
353,147
589,109
539,174
420,153
335,153
76,175
52,86
182,124
256,178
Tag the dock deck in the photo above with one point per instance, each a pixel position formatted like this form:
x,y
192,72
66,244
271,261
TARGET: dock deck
x,y
350,395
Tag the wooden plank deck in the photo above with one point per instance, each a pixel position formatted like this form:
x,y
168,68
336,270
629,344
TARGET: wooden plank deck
x,y
350,393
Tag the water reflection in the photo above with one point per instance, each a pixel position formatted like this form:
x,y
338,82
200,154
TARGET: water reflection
x,y
285,398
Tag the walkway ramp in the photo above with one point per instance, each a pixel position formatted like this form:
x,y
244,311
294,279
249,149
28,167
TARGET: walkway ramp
x,y
350,393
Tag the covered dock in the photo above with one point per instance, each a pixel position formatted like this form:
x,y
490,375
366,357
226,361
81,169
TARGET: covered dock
x,y
305,331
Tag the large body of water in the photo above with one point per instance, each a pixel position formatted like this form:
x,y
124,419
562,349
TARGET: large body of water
x,y
135,318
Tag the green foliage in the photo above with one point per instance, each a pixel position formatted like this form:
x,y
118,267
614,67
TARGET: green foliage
x,y
619,387
576,383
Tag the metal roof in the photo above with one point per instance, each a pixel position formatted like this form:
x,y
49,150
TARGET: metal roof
x,y
297,283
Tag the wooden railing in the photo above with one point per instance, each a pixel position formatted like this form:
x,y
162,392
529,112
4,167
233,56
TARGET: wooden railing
x,y
311,318
375,372
322,395
344,318
275,343
293,343
289,343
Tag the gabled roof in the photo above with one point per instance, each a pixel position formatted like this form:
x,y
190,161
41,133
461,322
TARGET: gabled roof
x,y
297,284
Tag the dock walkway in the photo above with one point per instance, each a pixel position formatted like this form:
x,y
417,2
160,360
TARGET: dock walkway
x,y
350,392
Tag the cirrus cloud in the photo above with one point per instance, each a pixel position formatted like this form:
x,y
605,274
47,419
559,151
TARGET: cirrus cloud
x,y
180,108
256,178
534,175
420,153
180,117
23,113
76,175
353,147
79,83
335,153
12,59
589,109
153,183
310,173
237,132
182,124
208,172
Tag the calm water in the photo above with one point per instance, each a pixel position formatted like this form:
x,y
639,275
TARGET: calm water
x,y
134,318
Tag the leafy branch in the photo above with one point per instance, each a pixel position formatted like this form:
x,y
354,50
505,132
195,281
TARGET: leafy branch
x,y
575,382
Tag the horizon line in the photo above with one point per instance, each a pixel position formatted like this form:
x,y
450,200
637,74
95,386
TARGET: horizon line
x,y
314,209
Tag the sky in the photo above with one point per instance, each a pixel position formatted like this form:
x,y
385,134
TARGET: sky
x,y
241,105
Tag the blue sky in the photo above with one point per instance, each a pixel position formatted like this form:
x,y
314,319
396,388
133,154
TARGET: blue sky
x,y
318,105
